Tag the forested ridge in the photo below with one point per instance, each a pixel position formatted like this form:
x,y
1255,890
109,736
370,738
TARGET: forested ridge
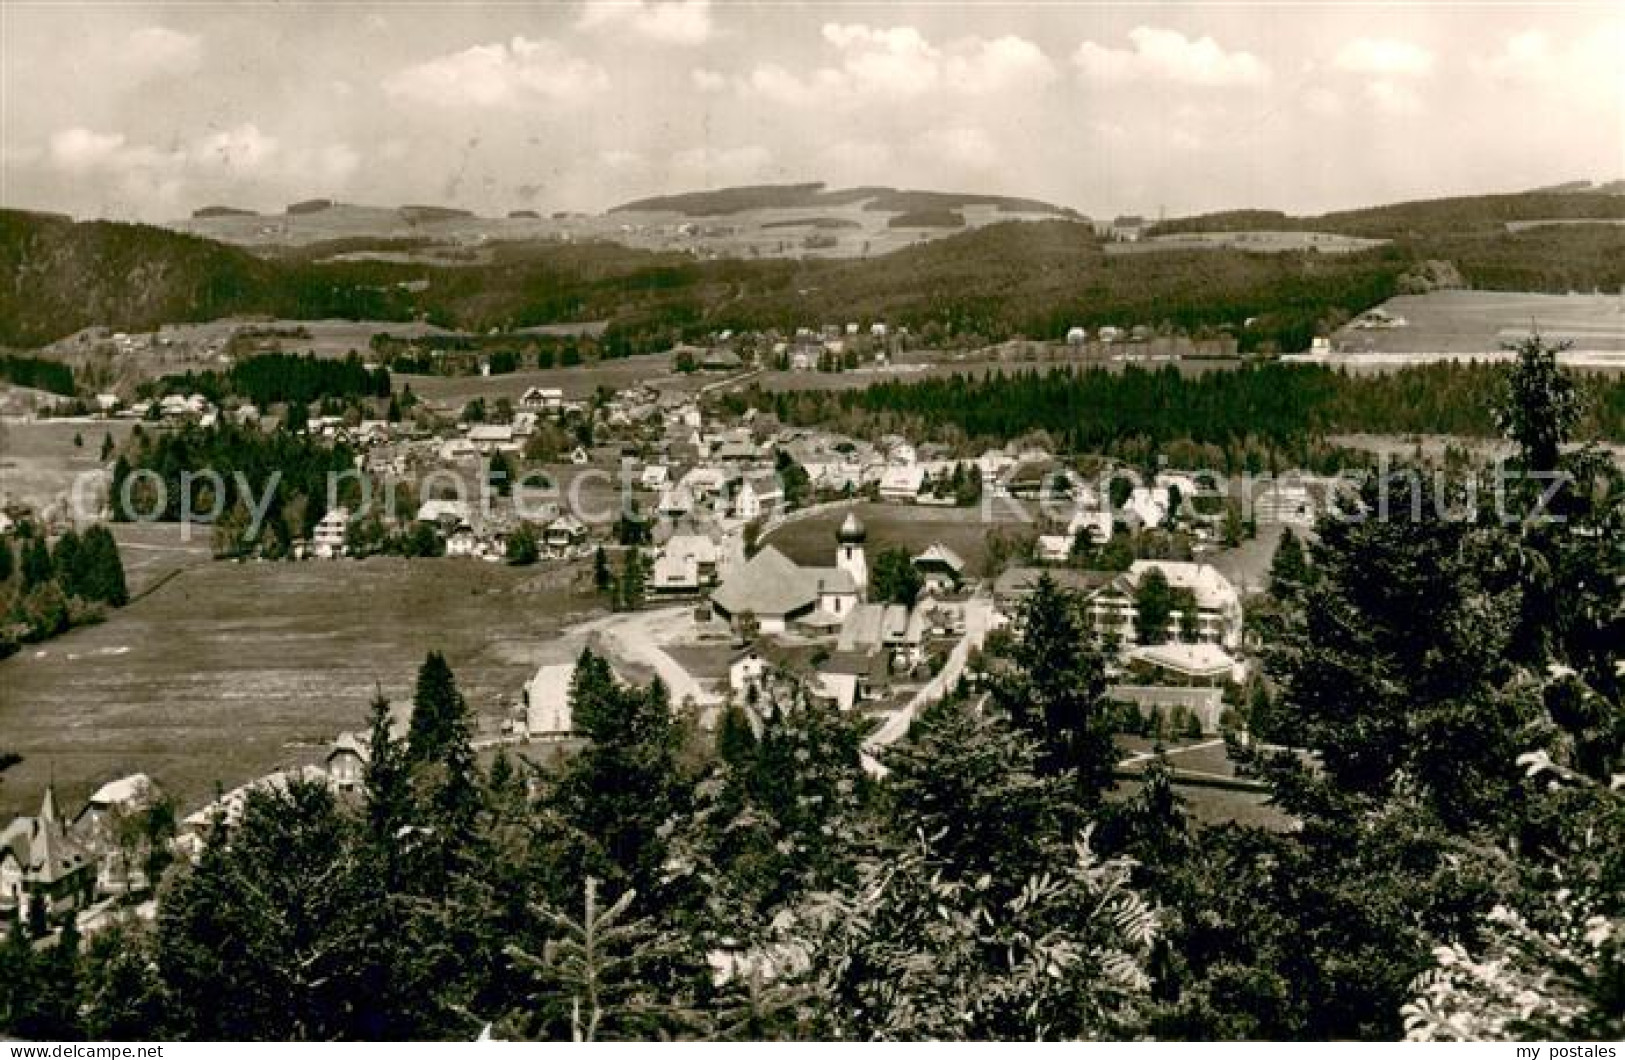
x,y
1033,279
1288,407
1456,869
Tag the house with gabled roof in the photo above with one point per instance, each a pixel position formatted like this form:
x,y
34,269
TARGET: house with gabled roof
x,y
942,570
757,495
41,862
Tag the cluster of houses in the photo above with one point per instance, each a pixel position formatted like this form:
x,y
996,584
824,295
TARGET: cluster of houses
x,y
64,863
1189,665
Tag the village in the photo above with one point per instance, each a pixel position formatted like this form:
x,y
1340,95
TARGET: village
x,y
683,516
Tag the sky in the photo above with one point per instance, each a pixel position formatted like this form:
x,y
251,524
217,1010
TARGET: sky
x,y
148,111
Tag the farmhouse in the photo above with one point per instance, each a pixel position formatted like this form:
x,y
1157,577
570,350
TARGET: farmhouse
x,y
1012,588
462,541
942,571
1148,506
1283,503
720,359
1053,548
687,563
901,483
118,866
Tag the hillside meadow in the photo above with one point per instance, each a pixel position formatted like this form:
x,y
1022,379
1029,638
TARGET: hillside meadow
x,y
230,670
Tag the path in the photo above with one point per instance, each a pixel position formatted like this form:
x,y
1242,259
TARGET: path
x,y
979,613
636,637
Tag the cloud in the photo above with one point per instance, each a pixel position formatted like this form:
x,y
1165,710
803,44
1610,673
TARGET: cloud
x,y
500,75
719,167
1384,58
242,149
178,176
965,147
1323,102
621,159
1583,70
899,62
79,150
1393,97
683,22
1168,55
158,49
708,80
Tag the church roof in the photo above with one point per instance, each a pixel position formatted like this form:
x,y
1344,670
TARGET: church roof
x,y
769,584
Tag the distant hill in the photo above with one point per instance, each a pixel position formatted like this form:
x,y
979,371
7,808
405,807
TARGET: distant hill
x,y
222,211
928,217
295,209
420,214
68,275
725,201
1465,215
993,280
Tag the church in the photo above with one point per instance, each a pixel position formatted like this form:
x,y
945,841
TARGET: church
x,y
779,593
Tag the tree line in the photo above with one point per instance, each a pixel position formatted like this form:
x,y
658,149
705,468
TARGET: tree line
x,y
1250,417
48,589
37,372
227,472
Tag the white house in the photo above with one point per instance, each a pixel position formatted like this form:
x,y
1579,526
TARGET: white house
x,y
327,540
1218,619
902,483
1148,504
686,564
654,477
757,495
462,541
746,671
1053,548
493,437
542,399
546,699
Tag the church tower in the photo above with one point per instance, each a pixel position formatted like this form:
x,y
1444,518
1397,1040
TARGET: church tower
x,y
849,552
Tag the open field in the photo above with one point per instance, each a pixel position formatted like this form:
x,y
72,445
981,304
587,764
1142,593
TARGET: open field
x,y
1479,322
1255,242
39,462
1208,805
1189,358
577,383
230,670
153,552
